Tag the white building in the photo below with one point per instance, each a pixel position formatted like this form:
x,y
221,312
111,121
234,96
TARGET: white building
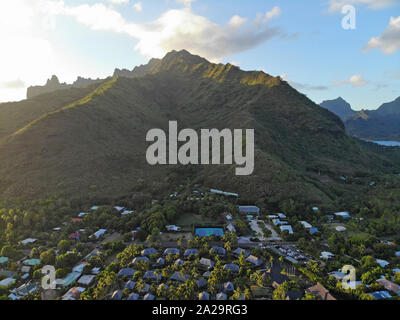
x,y
99,233
287,228
326,255
28,241
306,224
340,229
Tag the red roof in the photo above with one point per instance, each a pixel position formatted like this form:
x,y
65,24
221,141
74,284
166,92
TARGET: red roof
x,y
76,219
74,236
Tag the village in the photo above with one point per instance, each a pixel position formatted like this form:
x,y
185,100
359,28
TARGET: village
x,y
215,249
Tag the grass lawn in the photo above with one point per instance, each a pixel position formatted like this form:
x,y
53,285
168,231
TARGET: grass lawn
x,y
186,220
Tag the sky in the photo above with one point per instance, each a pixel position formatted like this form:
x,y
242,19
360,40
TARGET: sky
x,y
323,48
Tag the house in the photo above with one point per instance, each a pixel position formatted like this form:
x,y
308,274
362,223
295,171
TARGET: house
x,y
79,267
73,293
343,215
153,276
397,254
148,297
173,251
231,228
86,280
6,282
229,287
173,228
256,262
286,228
207,274
140,259
201,283
223,193
278,222
3,260
119,209
32,262
282,216
249,209
126,272
313,231
326,255
382,263
306,225
239,251
390,286
378,295
127,213
148,252
99,233
179,263
218,250
229,218
315,209
117,295
133,296
25,269
191,252
337,275
208,264
234,268
320,292
76,220
160,262
69,279
204,296
221,296
178,277
74,236
340,229
130,285
94,208
28,241
82,214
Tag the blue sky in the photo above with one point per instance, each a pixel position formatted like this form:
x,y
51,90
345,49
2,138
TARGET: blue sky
x,y
302,41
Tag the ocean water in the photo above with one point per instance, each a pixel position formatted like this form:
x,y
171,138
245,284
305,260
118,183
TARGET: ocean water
x,y
387,143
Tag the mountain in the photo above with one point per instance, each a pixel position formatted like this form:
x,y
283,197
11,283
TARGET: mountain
x,y
54,84
90,142
340,107
380,124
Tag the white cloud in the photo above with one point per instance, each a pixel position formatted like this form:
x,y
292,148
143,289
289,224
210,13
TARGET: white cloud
x,y
389,40
118,1
138,6
303,86
274,13
337,5
237,21
355,81
179,29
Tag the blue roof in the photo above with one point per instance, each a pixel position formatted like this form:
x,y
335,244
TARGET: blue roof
x,y
381,295
206,232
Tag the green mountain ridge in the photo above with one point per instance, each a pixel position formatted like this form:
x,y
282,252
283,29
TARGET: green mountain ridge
x,y
90,142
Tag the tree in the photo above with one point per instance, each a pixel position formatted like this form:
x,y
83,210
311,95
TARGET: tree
x,y
48,257
63,245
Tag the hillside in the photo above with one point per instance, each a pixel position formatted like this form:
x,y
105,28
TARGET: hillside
x,y
340,107
54,84
90,142
380,124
